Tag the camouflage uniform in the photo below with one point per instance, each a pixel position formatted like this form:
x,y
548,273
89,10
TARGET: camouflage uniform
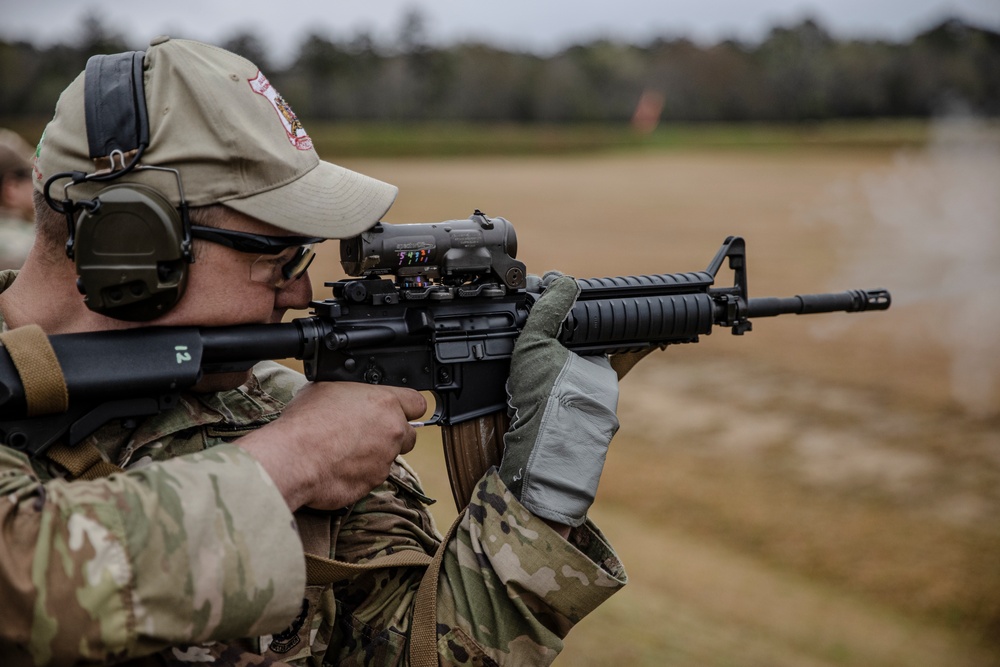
x,y
16,237
142,564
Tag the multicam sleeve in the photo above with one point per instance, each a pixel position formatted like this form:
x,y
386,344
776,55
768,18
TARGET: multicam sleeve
x,y
511,588
196,548
509,591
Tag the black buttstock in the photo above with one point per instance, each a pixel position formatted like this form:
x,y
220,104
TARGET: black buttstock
x,y
109,365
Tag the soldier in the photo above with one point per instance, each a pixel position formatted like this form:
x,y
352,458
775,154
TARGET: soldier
x,y
16,207
194,552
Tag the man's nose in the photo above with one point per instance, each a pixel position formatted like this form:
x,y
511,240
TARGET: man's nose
x,y
296,295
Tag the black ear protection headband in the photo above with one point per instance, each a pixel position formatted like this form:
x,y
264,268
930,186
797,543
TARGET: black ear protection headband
x,y
131,246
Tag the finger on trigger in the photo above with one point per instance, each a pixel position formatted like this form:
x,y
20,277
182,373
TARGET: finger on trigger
x,y
412,402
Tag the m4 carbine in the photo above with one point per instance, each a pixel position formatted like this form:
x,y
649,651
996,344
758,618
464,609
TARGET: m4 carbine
x,y
435,307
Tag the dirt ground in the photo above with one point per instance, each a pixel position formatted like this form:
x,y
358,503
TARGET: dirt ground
x,y
824,490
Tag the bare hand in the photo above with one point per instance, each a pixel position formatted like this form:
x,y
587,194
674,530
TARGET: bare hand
x,y
336,441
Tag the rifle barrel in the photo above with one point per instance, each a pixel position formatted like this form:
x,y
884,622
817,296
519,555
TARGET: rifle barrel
x,y
851,301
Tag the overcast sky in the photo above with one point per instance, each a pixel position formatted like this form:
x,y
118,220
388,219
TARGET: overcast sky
x,y
539,25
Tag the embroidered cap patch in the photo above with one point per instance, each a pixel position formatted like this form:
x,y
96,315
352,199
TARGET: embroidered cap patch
x,y
293,126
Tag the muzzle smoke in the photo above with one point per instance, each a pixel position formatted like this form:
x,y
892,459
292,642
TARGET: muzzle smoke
x,y
930,232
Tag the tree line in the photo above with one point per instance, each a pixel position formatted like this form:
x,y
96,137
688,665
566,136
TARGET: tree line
x,y
796,73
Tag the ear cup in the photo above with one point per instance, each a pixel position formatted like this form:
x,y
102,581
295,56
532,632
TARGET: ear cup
x,y
128,253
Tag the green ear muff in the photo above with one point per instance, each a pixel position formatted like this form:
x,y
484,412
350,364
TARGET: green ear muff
x,y
128,254
130,245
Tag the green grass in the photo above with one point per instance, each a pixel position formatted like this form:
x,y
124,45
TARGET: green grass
x,y
462,139
354,139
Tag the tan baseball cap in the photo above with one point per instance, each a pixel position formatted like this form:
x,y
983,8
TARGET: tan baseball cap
x,y
215,118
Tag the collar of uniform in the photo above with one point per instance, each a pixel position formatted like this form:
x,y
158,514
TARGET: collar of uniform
x,y
224,414
243,409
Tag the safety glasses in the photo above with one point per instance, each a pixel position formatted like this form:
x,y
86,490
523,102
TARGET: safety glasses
x,y
281,260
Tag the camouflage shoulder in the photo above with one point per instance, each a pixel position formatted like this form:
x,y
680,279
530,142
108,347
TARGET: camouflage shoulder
x,y
123,566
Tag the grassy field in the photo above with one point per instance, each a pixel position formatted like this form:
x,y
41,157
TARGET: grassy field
x,y
464,139
821,491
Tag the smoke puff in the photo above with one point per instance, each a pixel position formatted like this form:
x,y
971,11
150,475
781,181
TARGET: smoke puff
x,y
931,234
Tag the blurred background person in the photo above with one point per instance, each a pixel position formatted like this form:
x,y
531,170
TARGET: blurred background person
x,y
17,215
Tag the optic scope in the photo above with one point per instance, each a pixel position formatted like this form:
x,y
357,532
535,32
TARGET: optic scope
x,y
453,252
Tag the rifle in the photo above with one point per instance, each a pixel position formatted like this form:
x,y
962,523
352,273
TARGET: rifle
x,y
445,321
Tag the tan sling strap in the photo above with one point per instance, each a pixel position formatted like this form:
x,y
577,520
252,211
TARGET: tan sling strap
x,y
623,362
42,377
321,570
82,461
46,393
423,632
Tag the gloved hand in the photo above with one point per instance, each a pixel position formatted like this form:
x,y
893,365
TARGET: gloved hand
x,y
564,414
